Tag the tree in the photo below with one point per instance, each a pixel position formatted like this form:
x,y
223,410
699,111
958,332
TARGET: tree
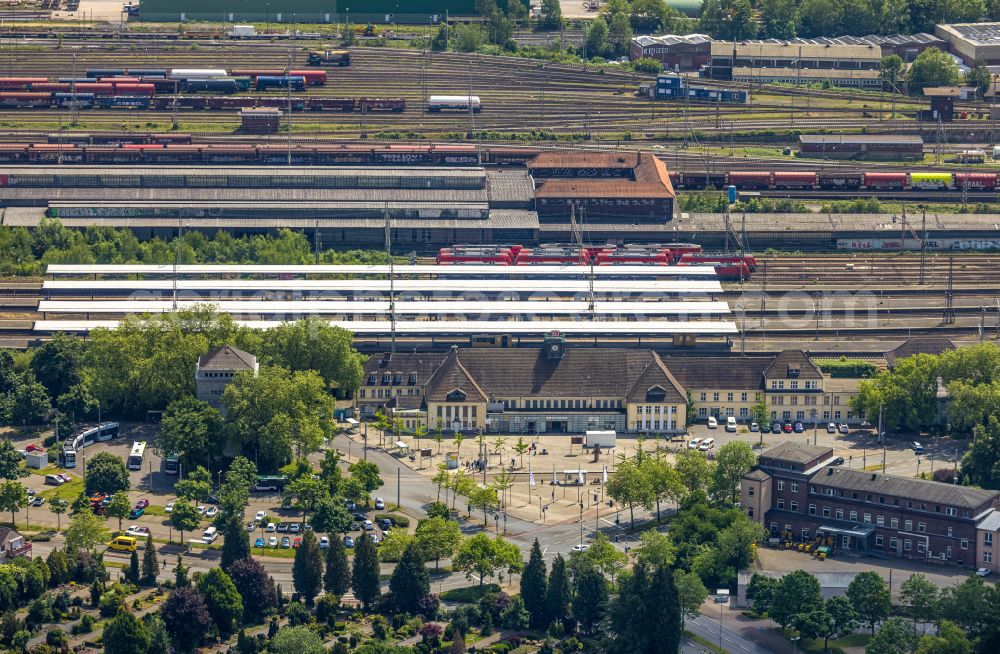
x,y
891,69
190,428
120,507
690,594
222,599
761,591
932,67
655,549
734,460
31,402
920,597
256,588
499,28
480,556
664,482
557,592
297,640
645,618
181,579
132,574
870,598
337,577
729,20
795,590
819,18
57,364
58,506
331,516
466,37
313,345
894,637
949,639
306,493
602,555
438,538
694,470
590,598
778,19
596,41
367,473
13,497
11,462
149,563
86,531
551,15
125,634
981,462
307,570
186,618
106,473
834,619
484,498
365,572
619,33
410,582
392,546
184,517
630,487
77,403
235,540
196,485
533,586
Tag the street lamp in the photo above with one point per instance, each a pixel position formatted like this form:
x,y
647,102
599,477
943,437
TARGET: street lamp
x,y
795,640
815,429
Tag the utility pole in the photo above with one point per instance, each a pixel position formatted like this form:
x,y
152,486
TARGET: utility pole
x,y
583,258
923,241
316,240
763,296
74,110
949,309
392,281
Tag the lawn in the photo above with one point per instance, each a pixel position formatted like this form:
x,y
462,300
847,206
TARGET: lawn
x,y
469,594
154,510
68,491
273,552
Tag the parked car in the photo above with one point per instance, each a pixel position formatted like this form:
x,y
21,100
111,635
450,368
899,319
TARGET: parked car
x,y
137,532
360,517
123,544
787,427
37,501
324,542
272,541
136,513
984,572
169,508
285,543
212,512
706,444
201,510
282,527
66,478
53,480
348,541
775,427
754,427
211,499
379,503
259,542
844,429
34,448
694,443
142,504
731,425
712,422
839,461
294,528
271,528
831,428
31,492
251,526
368,525
385,524
917,447
580,547
798,428
260,515
297,543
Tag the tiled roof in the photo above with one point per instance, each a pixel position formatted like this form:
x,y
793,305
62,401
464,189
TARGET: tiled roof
x,y
757,475
656,384
796,452
401,364
931,492
227,357
623,160
718,372
792,360
528,372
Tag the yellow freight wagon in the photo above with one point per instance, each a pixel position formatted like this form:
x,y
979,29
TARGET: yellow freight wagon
x,y
931,181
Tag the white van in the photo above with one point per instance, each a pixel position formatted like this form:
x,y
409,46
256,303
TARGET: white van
x,y
712,422
731,424
209,535
706,444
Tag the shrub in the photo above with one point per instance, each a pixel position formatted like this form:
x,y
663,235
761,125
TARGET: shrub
x,y
56,638
847,368
397,520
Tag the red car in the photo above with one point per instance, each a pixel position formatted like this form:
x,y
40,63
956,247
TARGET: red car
x,y
34,448
142,504
297,543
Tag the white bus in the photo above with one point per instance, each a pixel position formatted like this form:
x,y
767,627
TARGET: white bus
x,y
454,103
135,457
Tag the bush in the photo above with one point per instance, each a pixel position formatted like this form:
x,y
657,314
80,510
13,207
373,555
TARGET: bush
x,y
86,624
56,638
469,594
647,65
847,368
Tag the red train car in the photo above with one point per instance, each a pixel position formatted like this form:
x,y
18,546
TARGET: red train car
x,y
633,255
554,254
725,259
795,179
750,179
885,180
20,83
460,254
976,181
25,99
678,250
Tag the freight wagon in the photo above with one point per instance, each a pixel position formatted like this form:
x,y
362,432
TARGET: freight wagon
x,y
322,57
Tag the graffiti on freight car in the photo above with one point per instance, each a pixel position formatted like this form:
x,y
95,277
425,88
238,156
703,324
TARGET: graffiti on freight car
x,y
895,244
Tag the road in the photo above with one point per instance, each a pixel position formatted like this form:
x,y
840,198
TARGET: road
x,y
732,641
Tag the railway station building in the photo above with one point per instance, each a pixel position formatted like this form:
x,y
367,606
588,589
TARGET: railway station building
x,y
801,494
853,65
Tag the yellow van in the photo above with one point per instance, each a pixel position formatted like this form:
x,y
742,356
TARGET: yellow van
x,y
123,544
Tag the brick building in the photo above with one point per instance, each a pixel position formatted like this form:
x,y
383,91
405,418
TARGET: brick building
x,y
799,494
216,369
683,53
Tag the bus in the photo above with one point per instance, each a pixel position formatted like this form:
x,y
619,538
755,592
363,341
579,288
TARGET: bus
x,y
135,457
274,483
172,464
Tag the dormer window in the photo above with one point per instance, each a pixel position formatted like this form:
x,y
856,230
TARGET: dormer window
x,y
456,395
372,378
656,394
386,377
397,379
413,377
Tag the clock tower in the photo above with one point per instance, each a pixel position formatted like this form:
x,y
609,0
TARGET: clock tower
x,y
554,345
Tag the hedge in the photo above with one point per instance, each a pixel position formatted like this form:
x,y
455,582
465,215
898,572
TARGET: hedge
x,y
469,594
397,520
